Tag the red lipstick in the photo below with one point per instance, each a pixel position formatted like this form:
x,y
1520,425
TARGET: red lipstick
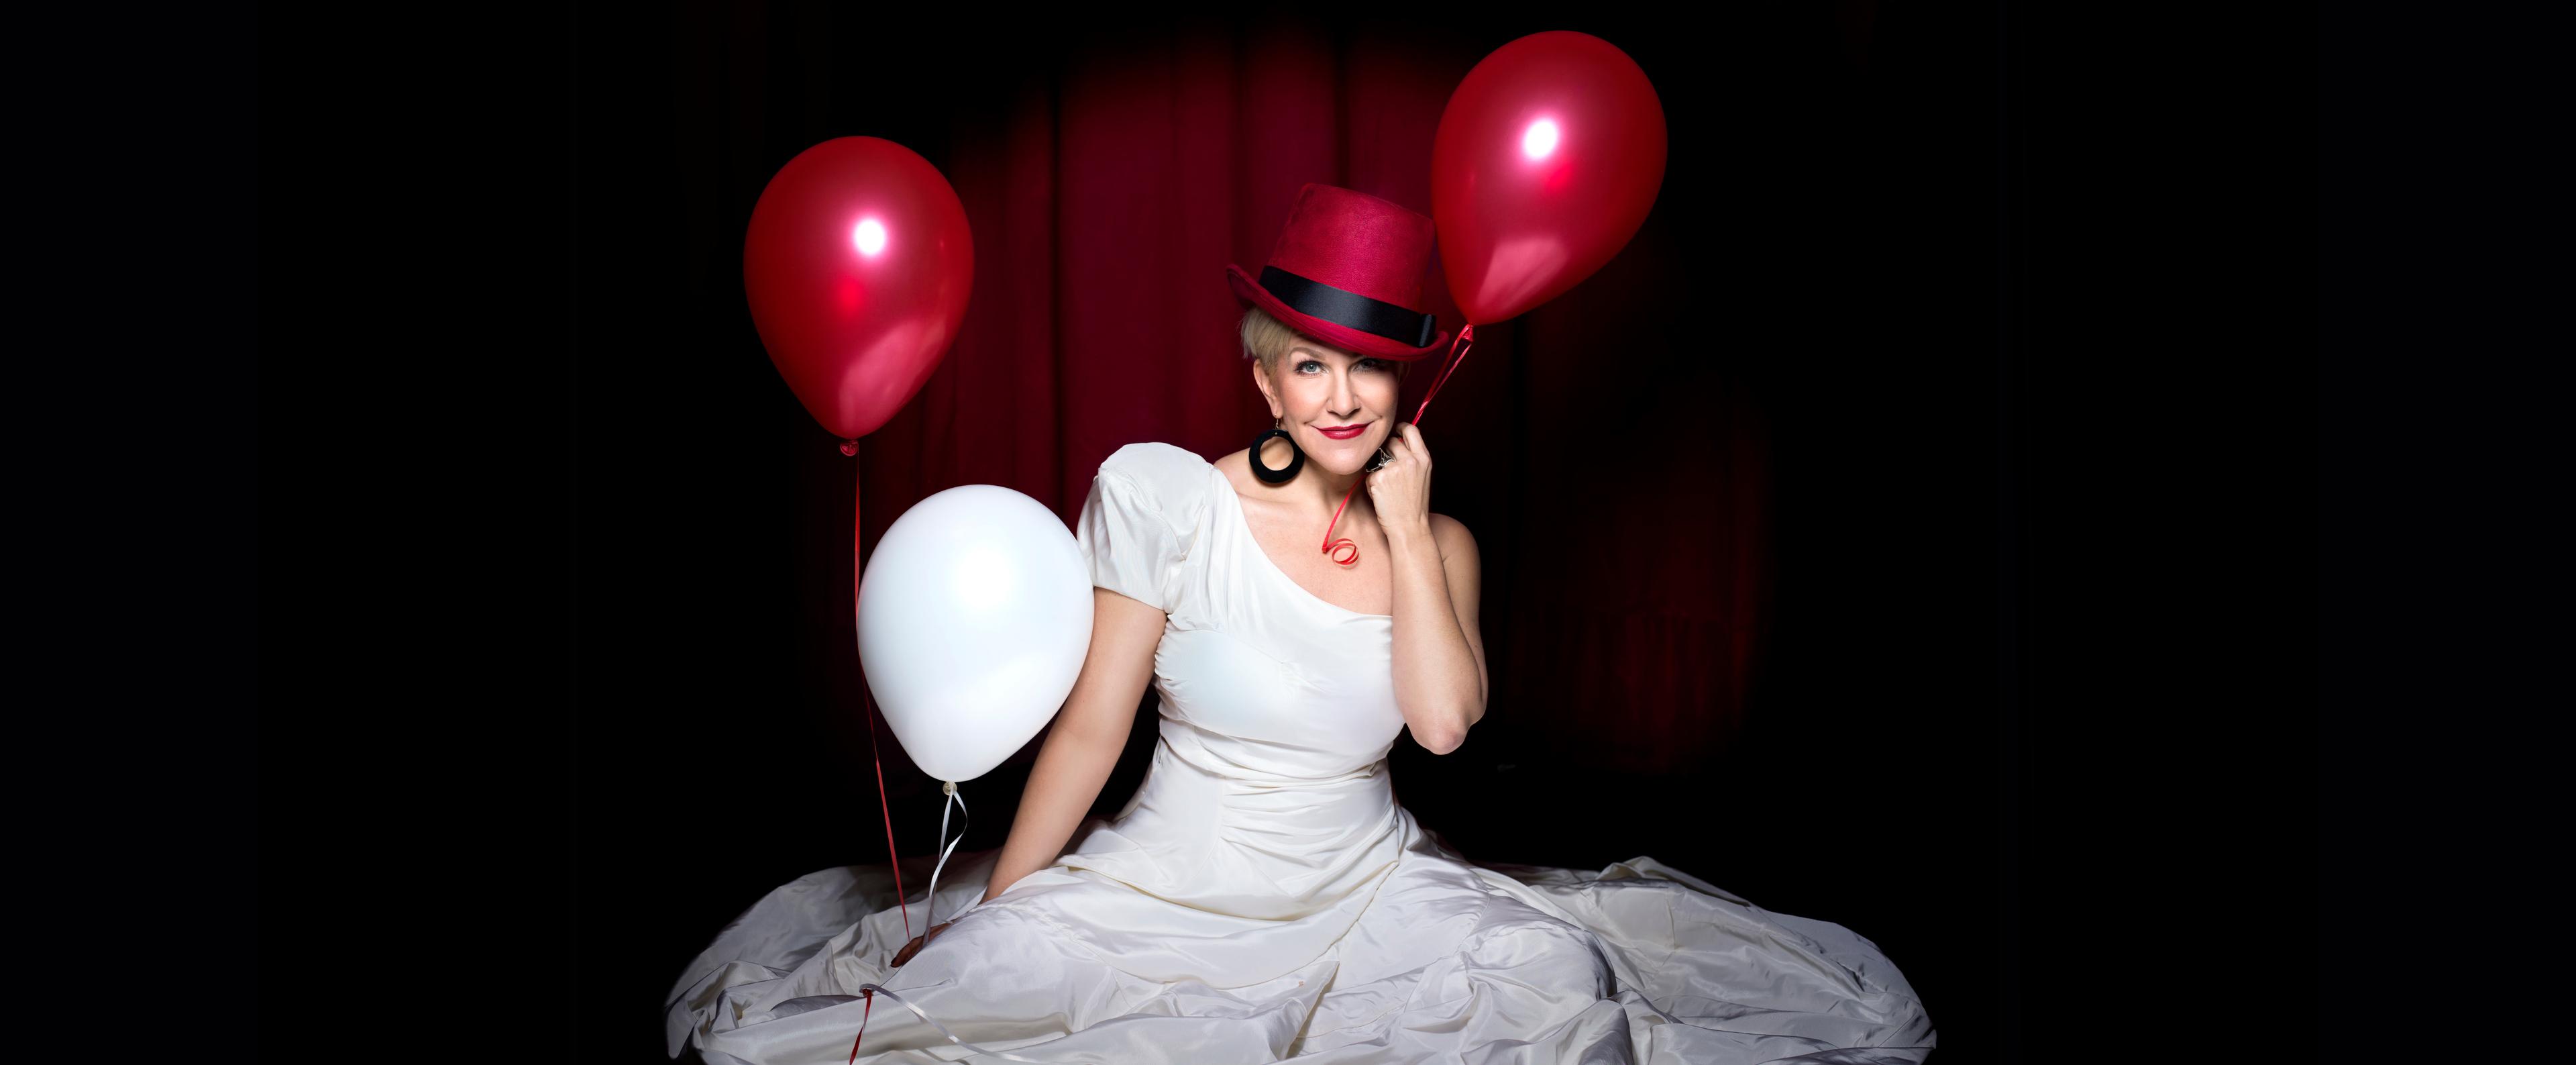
x,y
1345,432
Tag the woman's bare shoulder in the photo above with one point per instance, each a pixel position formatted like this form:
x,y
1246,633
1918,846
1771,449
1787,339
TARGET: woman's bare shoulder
x,y
1235,467
1451,536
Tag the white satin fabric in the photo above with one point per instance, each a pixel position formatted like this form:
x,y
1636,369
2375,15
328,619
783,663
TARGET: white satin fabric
x,y
1263,897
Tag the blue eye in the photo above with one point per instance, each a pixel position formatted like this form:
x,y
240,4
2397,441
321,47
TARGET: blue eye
x,y
1364,364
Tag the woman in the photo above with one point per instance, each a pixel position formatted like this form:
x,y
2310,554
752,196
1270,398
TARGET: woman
x,y
1263,897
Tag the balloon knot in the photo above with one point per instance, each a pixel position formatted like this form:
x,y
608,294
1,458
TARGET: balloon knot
x,y
850,447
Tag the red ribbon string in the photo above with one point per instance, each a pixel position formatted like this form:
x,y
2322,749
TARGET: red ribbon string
x,y
868,1001
1343,551
1466,339
867,707
858,571
888,811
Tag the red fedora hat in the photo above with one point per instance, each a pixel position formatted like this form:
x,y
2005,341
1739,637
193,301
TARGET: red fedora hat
x,y
1348,271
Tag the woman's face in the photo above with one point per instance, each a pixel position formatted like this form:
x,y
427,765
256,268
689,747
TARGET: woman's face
x,y
1321,387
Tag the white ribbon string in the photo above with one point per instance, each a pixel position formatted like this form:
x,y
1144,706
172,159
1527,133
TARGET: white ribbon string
x,y
952,1036
959,801
950,845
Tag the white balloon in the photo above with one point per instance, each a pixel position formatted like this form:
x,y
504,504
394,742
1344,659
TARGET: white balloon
x,y
974,617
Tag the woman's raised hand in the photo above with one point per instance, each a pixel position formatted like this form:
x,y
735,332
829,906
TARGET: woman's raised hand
x,y
1401,489
914,947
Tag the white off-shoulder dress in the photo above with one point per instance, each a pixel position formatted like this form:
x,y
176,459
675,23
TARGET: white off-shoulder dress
x,y
1263,897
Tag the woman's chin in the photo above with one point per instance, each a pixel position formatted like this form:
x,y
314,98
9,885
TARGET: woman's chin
x,y
1343,457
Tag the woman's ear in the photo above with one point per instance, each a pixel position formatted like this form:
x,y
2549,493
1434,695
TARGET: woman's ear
x,y
1261,381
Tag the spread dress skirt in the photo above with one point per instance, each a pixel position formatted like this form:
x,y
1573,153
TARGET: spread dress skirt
x,y
1264,898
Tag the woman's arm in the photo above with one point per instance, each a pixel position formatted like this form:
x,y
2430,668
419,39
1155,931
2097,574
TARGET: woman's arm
x,y
1439,654
1083,745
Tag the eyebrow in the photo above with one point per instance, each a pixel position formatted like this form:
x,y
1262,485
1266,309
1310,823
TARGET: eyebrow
x,y
1319,355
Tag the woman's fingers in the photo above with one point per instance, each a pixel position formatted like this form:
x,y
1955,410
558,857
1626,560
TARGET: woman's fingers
x,y
1411,438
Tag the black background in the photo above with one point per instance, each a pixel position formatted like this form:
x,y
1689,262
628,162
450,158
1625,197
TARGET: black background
x,y
2044,480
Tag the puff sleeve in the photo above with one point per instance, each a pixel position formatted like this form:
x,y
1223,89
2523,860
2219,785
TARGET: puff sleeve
x,y
1142,517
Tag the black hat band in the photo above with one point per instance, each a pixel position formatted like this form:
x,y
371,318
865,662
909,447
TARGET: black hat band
x,y
1348,309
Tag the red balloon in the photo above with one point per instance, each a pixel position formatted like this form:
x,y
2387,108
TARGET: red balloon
x,y
858,263
1547,160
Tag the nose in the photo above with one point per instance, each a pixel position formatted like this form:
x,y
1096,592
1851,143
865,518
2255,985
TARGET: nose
x,y
1345,399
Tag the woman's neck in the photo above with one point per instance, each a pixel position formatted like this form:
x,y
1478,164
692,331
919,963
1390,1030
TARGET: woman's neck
x,y
1319,490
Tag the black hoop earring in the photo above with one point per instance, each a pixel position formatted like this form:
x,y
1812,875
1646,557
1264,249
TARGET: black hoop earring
x,y
1296,458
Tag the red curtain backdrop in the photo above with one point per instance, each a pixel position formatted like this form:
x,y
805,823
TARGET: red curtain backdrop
x,y
1611,471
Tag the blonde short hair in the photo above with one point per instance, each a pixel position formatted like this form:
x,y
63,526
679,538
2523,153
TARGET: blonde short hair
x,y
1268,339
